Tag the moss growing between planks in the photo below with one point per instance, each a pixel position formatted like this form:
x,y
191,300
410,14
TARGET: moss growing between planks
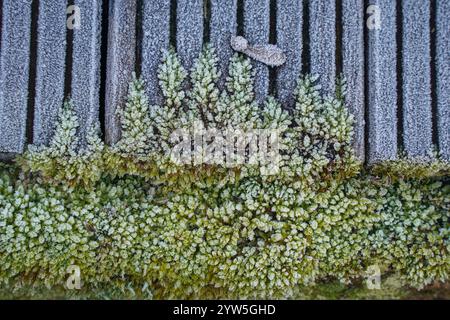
x,y
314,136
131,218
419,168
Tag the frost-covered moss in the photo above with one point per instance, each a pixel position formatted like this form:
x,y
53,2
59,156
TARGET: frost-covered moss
x,y
65,159
419,168
411,233
149,226
251,239
315,136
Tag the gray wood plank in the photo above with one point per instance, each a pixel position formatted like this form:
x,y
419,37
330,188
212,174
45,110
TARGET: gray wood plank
x,y
417,125
86,65
289,39
353,67
14,74
120,62
257,32
382,91
189,31
1,25
443,76
222,27
322,36
51,59
155,38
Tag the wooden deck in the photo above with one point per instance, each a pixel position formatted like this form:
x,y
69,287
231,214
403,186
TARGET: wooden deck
x,y
398,73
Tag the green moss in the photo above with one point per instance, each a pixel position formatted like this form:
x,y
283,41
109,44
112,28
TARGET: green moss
x,y
390,289
131,218
314,137
405,168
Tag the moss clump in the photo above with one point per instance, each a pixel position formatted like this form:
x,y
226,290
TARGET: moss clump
x,y
419,168
251,239
65,159
157,228
314,137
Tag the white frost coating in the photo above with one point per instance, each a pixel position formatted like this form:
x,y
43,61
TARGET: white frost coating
x,y
189,31
417,125
51,54
14,73
86,65
322,36
353,67
155,39
268,54
222,27
289,39
256,30
120,63
443,76
383,85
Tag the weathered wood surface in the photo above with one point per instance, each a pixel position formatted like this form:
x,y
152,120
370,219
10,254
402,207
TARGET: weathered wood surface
x,y
289,37
416,67
223,26
155,38
86,65
50,69
14,74
257,31
382,82
322,42
398,75
442,62
353,67
189,31
121,62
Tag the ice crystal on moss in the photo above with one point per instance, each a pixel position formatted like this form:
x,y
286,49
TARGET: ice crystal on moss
x,y
205,230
